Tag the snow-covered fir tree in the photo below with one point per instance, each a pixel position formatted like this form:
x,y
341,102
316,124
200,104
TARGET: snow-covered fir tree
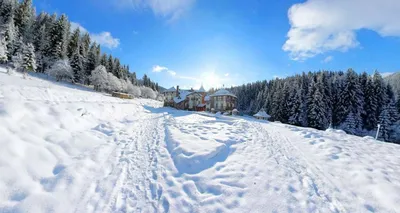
x,y
317,113
349,101
386,124
104,60
3,51
77,67
58,39
370,119
352,99
24,19
398,103
53,43
74,41
29,58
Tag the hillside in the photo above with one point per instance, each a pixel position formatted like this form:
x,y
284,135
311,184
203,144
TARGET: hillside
x,y
69,149
394,81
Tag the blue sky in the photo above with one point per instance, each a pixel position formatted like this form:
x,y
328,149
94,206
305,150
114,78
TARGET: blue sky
x,y
225,42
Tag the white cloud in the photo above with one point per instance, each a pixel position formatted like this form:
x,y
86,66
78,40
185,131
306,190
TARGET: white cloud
x,y
188,78
173,73
158,68
105,39
169,9
327,59
75,25
226,74
319,26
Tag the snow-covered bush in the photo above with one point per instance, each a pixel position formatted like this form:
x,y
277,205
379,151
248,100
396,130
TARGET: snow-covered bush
x,y
61,70
10,71
99,78
148,93
133,90
114,84
106,81
17,61
160,97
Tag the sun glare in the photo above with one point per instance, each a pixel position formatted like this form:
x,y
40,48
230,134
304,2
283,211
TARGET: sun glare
x,y
211,79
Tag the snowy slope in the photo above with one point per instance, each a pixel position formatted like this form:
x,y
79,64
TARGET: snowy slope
x,y
69,149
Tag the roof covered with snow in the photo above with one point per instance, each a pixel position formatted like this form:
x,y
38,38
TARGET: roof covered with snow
x,y
223,92
201,89
182,96
262,114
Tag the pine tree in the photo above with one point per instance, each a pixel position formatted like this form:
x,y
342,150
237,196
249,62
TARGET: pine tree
x,y
338,110
110,64
58,39
24,18
379,92
104,61
370,119
350,124
352,98
386,124
7,26
40,39
145,81
85,45
295,107
29,58
317,115
133,78
117,68
3,51
77,67
74,42
398,103
93,59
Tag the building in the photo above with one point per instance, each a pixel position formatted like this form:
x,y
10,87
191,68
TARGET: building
x,y
222,101
262,115
192,100
198,100
169,96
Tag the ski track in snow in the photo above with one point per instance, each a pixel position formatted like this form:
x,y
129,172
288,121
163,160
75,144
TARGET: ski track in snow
x,y
72,150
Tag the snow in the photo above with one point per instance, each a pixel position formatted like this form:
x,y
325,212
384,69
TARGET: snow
x,y
182,96
66,148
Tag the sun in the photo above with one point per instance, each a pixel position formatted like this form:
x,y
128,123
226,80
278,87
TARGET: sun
x,y
211,79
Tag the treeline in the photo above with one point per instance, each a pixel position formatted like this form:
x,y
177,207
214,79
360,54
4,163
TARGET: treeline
x,y
33,42
356,103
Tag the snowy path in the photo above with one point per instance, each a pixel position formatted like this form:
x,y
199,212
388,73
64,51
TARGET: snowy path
x,y
129,184
72,150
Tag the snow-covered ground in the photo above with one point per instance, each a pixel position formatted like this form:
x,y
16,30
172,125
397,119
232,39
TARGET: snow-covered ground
x,y
69,149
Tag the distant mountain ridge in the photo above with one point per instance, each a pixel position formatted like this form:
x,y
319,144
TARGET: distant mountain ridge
x,y
394,81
